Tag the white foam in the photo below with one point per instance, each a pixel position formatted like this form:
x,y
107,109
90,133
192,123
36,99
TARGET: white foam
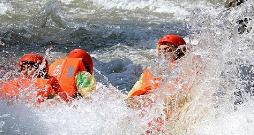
x,y
213,36
4,8
105,113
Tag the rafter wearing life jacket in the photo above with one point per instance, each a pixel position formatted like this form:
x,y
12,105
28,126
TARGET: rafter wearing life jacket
x,y
34,81
171,48
74,74
168,46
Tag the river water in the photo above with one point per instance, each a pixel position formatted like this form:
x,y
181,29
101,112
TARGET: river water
x,y
121,36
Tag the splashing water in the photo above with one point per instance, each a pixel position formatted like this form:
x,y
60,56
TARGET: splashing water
x,y
121,38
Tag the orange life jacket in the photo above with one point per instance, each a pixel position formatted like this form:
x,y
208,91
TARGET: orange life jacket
x,y
44,88
150,83
47,89
9,89
65,71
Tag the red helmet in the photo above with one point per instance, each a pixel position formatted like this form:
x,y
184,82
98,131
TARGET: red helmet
x,y
87,60
173,39
34,58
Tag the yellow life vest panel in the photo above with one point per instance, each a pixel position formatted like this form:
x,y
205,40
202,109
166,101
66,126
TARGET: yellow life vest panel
x,y
147,83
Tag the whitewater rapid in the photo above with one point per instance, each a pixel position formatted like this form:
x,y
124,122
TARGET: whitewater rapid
x,y
121,36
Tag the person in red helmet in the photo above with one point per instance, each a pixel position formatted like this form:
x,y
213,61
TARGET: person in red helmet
x,y
34,80
171,49
74,74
